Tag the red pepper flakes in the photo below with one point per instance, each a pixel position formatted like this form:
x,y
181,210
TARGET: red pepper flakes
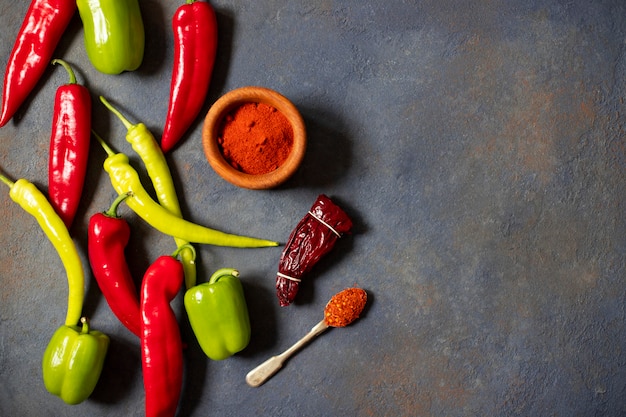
x,y
345,307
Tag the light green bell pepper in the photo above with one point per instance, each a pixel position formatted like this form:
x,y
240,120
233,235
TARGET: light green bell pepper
x,y
114,34
73,361
218,314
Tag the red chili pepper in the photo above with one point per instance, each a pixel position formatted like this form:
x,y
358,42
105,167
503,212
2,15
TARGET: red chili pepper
x,y
314,236
107,238
195,45
161,344
42,28
69,146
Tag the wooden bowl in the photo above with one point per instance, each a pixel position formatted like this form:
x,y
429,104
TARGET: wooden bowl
x,y
234,99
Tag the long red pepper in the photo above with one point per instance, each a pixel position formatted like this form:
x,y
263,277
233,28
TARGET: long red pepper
x,y
195,45
106,241
69,146
42,28
161,344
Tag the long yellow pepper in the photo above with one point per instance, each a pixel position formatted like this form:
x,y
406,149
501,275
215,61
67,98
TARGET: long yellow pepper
x,y
35,203
146,146
125,179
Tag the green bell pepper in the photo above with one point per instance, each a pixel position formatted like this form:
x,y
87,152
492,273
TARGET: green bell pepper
x,y
114,34
73,361
218,314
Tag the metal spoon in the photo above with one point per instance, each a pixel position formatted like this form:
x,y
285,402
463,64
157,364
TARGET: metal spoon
x,y
264,371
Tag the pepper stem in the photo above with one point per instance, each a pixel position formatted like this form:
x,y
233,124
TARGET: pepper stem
x,y
222,272
105,146
85,322
7,181
127,124
183,247
112,211
68,68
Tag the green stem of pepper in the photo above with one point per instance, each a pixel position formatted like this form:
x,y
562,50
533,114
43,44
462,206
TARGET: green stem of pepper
x,y
186,246
222,272
6,181
85,325
127,124
109,151
68,68
112,211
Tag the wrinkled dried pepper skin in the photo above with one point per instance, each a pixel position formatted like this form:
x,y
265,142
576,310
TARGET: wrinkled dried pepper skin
x,y
313,237
42,29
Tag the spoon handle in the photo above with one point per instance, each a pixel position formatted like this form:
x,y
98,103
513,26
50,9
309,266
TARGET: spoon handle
x,y
264,371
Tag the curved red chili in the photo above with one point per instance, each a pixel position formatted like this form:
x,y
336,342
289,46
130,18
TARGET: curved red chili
x,y
161,344
42,28
107,238
69,146
195,45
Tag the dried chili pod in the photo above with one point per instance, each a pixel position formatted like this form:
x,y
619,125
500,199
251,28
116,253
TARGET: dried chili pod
x,y
314,236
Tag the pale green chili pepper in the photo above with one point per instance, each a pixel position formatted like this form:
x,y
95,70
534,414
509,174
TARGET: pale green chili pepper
x,y
35,203
146,146
125,179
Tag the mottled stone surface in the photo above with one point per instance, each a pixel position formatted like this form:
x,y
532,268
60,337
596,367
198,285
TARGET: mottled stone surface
x,y
479,148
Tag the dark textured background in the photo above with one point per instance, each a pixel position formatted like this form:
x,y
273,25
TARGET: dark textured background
x,y
479,147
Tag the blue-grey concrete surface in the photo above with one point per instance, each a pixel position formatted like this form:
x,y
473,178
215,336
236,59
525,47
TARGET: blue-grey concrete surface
x,y
479,147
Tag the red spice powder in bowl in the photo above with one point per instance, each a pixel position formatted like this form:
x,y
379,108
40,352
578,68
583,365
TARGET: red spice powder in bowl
x,y
254,137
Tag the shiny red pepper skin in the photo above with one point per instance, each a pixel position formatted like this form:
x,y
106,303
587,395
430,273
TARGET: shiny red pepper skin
x,y
69,146
42,28
195,45
161,344
107,238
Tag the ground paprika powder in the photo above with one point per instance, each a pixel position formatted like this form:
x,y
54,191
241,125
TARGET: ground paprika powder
x,y
255,138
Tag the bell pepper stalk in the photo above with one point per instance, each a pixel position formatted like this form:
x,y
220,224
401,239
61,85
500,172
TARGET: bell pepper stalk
x,y
161,343
35,203
69,146
114,34
40,33
148,149
218,314
73,361
194,27
125,179
107,238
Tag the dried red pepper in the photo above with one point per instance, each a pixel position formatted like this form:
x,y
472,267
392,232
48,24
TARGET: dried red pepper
x,y
195,46
106,241
42,28
69,146
161,344
314,236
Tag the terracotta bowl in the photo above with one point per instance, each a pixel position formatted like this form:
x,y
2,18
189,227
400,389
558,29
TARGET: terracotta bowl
x,y
234,99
